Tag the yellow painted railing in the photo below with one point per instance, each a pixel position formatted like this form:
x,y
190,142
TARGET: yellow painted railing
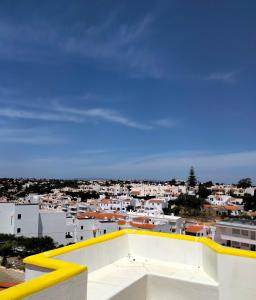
x,y
64,270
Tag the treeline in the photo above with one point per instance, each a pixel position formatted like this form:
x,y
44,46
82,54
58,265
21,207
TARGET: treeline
x,y
84,195
185,205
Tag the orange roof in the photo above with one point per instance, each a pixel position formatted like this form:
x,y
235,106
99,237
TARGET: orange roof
x,y
194,228
155,201
139,219
231,207
143,225
121,222
135,192
105,201
6,285
99,215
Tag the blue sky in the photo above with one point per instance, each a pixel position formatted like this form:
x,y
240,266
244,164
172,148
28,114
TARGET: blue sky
x,y
128,89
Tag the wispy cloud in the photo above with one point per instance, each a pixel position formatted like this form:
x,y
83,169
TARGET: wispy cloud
x,y
228,77
103,114
29,136
36,115
68,114
166,123
121,44
113,42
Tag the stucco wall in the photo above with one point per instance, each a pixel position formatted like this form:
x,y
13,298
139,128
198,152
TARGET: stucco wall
x,y
169,250
7,218
71,289
98,255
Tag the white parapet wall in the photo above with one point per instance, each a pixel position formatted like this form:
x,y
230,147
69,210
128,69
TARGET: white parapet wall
x,y
132,264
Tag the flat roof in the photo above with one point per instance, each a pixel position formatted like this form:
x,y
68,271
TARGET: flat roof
x,y
238,223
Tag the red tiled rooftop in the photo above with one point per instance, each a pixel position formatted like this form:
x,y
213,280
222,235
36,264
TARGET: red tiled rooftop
x,y
194,228
231,207
155,201
99,215
143,225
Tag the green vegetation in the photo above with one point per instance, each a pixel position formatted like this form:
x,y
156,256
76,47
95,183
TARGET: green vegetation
x,y
185,205
250,202
244,183
11,245
84,195
203,191
192,178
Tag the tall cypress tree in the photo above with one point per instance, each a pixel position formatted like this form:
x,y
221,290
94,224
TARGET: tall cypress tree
x,y
192,178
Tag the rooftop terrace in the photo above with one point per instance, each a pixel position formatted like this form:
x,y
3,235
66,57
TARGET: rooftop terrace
x,y
132,264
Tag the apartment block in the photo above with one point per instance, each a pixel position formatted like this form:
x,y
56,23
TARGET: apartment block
x,y
237,233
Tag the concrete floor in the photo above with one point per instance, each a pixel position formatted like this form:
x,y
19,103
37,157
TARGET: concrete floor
x,y
146,279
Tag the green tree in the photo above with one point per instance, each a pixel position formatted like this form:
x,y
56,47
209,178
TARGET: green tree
x,y
173,182
203,192
244,183
192,178
5,251
130,207
249,201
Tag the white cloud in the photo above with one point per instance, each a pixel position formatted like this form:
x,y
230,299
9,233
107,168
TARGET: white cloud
x,y
103,114
167,123
69,114
113,42
225,77
34,136
36,115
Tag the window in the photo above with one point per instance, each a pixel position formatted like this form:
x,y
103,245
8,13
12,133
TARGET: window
x,y
253,235
68,235
244,232
18,230
105,231
82,227
235,244
81,238
235,231
19,216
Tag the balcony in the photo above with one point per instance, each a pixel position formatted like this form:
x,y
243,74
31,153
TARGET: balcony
x,y
139,265
238,238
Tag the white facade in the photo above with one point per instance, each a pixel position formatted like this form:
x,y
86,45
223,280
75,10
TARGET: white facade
x,y
54,224
236,233
164,223
86,228
19,219
155,205
27,220
218,199
114,204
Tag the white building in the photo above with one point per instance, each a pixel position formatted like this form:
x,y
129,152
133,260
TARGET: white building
x,y
87,227
27,220
55,224
218,199
114,204
237,233
162,223
19,219
155,204
33,198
